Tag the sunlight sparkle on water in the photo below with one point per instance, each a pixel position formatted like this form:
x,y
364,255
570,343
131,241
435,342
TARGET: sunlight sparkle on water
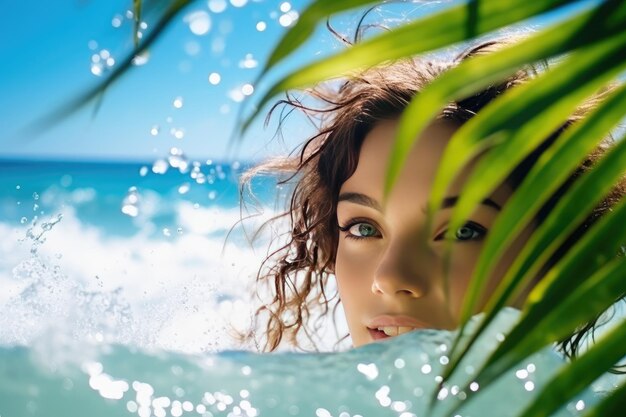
x,y
285,7
178,102
217,6
238,3
261,26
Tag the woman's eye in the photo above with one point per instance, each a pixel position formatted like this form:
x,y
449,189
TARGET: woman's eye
x,y
360,230
469,231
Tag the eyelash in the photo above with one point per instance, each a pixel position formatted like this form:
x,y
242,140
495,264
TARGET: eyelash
x,y
471,225
354,222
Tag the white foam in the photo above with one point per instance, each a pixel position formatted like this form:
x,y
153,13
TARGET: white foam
x,y
182,293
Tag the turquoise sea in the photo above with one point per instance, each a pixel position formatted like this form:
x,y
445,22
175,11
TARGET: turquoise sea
x,y
122,286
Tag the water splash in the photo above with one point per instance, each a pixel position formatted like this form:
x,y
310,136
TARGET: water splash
x,y
130,204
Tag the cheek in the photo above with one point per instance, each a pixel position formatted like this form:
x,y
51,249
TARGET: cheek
x,y
462,266
353,267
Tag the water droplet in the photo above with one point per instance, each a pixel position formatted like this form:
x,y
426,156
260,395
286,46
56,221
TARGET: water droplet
x,y
192,48
214,78
184,188
23,220
248,62
104,54
116,21
199,22
261,26
285,7
17,187
217,6
212,195
143,25
96,69
426,368
143,171
178,102
247,89
35,196
236,95
218,45
179,230
288,19
130,202
531,368
178,160
160,166
474,386
529,386
238,3
35,207
141,58
166,232
177,133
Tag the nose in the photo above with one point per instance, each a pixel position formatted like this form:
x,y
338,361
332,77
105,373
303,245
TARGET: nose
x,y
404,269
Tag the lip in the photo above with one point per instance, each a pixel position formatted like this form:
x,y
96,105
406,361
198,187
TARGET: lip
x,y
392,320
398,321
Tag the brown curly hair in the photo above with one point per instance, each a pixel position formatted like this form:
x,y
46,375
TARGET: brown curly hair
x,y
297,273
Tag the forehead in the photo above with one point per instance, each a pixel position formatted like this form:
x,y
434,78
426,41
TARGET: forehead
x,y
419,169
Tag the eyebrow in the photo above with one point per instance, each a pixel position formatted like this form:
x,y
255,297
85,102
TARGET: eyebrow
x,y
364,200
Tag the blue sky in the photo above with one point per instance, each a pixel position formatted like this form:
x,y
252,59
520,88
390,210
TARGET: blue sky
x,y
48,60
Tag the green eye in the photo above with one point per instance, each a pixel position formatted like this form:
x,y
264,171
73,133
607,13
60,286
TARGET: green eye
x,y
469,232
360,230
363,230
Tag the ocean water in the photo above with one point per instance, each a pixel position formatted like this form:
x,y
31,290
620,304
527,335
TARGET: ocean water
x,y
123,287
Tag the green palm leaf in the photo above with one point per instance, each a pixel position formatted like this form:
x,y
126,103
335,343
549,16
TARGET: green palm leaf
x,y
554,310
551,170
547,103
450,26
478,73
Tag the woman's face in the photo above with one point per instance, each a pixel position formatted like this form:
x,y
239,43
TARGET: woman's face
x,y
390,280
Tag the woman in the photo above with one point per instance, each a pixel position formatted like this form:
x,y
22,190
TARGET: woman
x,y
387,265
